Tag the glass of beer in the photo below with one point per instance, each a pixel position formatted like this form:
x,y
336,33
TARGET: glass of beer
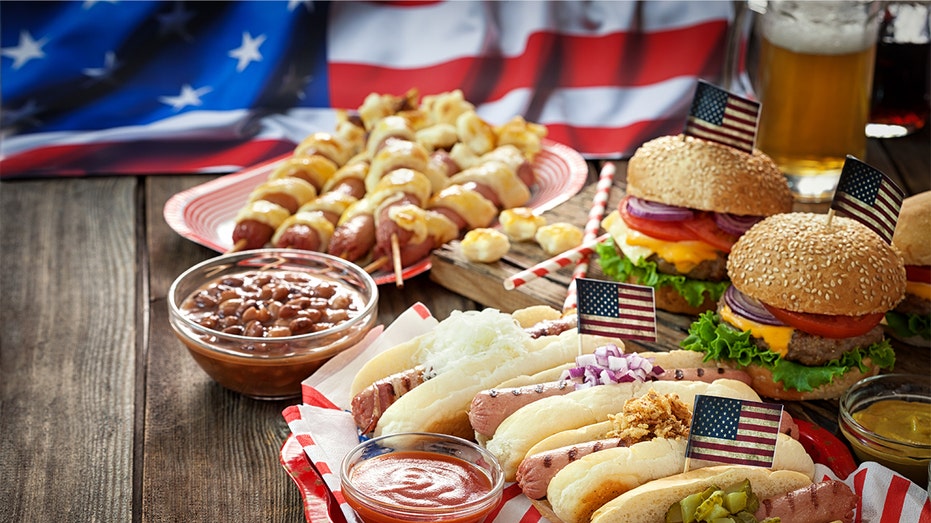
x,y
813,78
901,101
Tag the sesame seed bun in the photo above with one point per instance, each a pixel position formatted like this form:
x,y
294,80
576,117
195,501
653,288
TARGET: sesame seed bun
x,y
700,174
799,262
913,230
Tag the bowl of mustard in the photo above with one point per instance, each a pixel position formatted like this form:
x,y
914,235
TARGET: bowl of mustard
x,y
887,419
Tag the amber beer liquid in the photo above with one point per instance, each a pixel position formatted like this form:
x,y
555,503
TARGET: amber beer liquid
x,y
814,83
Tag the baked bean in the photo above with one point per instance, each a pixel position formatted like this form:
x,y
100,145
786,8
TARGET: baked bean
x,y
326,291
315,315
337,315
272,304
234,329
254,329
205,300
230,307
278,332
301,325
280,292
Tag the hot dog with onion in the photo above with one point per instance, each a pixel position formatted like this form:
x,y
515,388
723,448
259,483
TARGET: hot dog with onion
x,y
466,353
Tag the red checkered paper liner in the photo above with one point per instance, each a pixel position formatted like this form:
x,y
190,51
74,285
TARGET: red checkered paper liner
x,y
326,431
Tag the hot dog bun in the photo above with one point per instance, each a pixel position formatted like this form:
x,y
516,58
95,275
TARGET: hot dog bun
x,y
523,429
448,338
593,432
585,485
649,502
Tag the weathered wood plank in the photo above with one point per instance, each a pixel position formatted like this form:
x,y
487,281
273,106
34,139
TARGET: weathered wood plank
x,y
68,354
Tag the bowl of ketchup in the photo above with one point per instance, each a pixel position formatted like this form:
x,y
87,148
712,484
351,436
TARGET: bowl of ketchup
x,y
421,477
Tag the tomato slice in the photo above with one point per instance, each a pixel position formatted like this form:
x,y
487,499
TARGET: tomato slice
x,y
668,231
920,273
704,228
827,325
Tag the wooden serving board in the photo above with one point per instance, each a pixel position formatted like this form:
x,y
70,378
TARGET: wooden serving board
x,y
484,282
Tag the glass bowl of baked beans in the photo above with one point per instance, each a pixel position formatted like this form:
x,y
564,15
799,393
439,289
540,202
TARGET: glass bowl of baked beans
x,y
259,322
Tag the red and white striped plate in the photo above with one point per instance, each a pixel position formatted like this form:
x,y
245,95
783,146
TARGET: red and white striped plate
x,y
206,213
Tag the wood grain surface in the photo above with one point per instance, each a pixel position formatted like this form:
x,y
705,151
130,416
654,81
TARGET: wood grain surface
x,y
105,417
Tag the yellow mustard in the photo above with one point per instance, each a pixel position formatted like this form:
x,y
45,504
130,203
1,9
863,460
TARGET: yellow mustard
x,y
905,421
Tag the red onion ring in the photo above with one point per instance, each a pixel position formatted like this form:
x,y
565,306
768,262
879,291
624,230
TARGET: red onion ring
x,y
734,223
657,211
748,307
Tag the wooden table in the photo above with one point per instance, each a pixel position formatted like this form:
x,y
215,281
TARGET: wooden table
x,y
103,415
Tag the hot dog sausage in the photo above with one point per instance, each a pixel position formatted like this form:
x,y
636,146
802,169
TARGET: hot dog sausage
x,y
354,238
536,471
489,408
450,167
408,253
250,234
368,405
299,236
354,187
256,223
819,502
385,227
553,327
708,374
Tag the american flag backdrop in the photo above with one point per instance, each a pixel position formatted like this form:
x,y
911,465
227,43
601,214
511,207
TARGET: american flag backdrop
x,y
97,87
723,117
616,310
868,196
738,432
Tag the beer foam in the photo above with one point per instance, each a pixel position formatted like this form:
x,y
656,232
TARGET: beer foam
x,y
818,28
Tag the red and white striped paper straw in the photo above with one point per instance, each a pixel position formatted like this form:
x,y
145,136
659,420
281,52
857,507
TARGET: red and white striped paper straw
x,y
553,264
592,226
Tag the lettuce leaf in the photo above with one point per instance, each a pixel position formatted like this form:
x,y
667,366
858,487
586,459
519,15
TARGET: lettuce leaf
x,y
719,341
908,325
619,268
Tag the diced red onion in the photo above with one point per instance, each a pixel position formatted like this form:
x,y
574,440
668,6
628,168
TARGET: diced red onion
x,y
657,211
748,307
608,364
734,223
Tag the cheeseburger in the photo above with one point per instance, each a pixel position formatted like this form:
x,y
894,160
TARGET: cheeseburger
x,y
688,200
910,321
803,313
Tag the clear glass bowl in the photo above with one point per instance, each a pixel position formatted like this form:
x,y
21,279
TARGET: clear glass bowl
x,y
909,458
370,502
270,367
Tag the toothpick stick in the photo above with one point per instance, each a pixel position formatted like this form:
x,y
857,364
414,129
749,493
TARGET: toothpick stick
x,y
240,245
375,265
396,257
